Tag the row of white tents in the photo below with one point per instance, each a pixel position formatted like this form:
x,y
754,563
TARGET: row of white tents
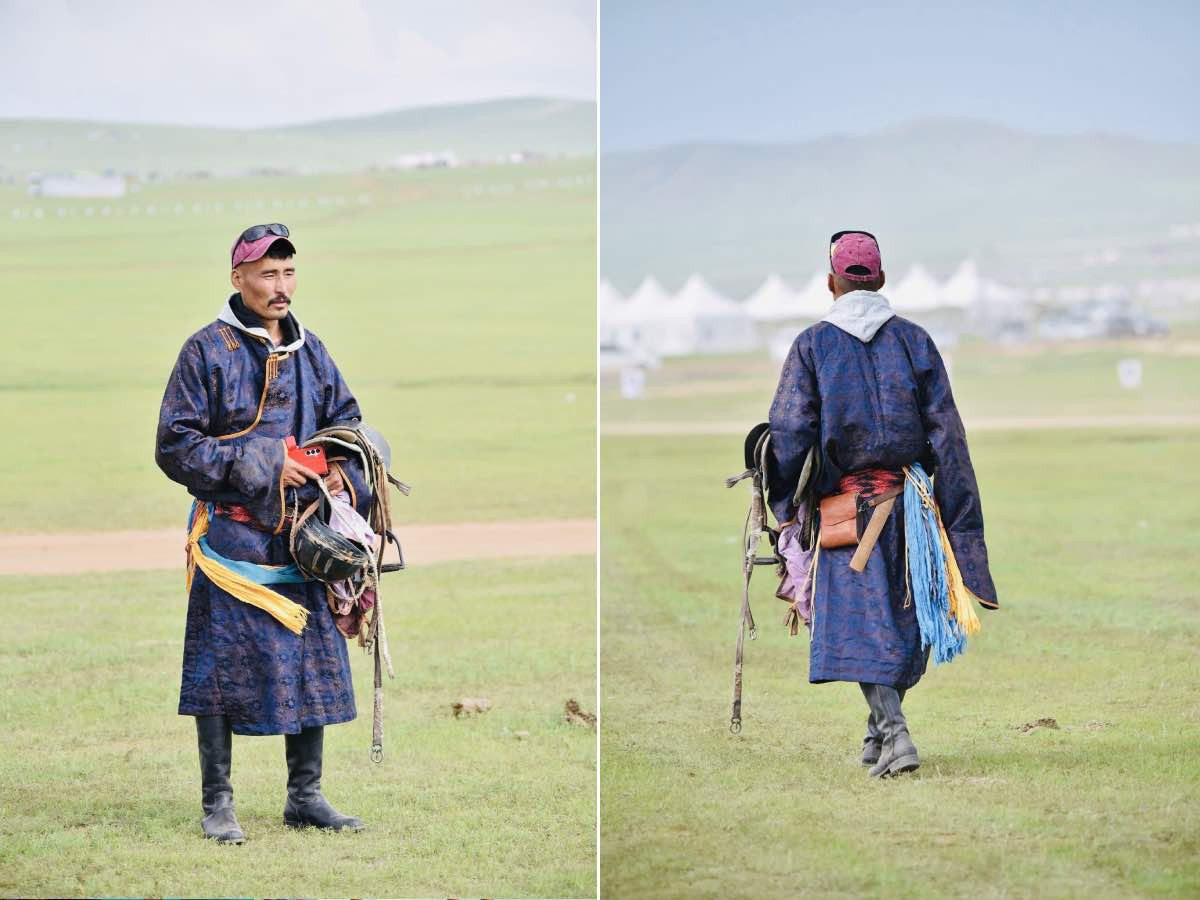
x,y
698,319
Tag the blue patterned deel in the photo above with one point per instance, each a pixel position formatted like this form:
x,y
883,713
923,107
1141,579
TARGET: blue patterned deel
x,y
881,403
229,403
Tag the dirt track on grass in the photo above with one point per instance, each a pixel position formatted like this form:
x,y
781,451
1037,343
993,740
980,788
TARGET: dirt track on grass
x,y
145,550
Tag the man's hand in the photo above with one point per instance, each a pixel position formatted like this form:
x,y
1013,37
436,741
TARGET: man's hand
x,y
334,482
294,474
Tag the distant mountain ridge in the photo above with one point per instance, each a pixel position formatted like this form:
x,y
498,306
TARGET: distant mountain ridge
x,y
934,190
480,130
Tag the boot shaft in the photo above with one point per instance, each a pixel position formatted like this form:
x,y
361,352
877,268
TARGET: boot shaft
x,y
214,739
304,760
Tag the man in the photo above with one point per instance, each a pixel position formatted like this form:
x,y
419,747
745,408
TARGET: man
x,y
869,389
241,385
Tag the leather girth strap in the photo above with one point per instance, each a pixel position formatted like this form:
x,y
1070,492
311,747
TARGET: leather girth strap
x,y
882,504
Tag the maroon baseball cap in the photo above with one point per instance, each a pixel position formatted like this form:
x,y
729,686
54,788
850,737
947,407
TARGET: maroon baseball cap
x,y
256,240
854,255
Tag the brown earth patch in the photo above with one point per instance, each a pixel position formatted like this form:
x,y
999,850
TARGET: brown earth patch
x,y
143,550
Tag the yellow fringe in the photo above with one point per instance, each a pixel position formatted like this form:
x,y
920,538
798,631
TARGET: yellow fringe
x,y
287,612
961,609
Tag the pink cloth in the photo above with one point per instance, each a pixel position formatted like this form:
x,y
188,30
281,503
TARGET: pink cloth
x,y
797,584
348,611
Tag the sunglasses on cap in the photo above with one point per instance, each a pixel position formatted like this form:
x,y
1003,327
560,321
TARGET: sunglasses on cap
x,y
838,235
257,232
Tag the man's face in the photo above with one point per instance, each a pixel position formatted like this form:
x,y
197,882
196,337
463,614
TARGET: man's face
x,y
267,286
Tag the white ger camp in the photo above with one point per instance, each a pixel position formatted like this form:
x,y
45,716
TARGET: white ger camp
x,y
713,323
815,299
964,288
609,304
649,322
776,303
917,292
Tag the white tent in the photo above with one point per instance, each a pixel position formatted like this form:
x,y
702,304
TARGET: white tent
x,y
609,307
917,291
815,299
964,288
713,323
649,322
774,301
608,298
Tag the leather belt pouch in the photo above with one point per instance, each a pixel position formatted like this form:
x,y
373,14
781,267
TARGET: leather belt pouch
x,y
844,517
839,520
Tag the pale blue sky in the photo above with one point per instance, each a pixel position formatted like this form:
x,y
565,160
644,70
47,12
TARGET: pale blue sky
x,y
210,63
676,71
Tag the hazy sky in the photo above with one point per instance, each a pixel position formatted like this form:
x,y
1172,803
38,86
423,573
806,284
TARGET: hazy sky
x,y
781,71
238,63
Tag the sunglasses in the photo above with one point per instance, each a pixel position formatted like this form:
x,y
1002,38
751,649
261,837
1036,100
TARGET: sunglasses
x,y
257,232
838,235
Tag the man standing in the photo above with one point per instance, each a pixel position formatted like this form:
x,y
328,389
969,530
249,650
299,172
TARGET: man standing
x,y
241,386
869,390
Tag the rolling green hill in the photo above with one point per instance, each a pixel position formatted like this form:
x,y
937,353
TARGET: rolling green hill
x,y
484,130
1030,207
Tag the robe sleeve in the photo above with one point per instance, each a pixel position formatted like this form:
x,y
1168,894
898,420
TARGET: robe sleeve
x,y
795,424
187,454
341,408
954,485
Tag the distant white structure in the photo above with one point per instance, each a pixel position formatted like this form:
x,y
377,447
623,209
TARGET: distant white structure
x,y
815,299
1129,373
709,322
609,303
917,292
633,382
774,301
80,186
964,287
647,322
653,323
444,159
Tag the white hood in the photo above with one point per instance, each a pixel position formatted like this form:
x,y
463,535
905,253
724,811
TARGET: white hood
x,y
860,313
229,317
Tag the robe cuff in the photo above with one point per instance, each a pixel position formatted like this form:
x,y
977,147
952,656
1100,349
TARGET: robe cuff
x,y
970,552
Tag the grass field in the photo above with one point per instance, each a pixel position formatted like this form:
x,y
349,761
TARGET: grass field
x,y
459,305
1064,379
99,786
1092,536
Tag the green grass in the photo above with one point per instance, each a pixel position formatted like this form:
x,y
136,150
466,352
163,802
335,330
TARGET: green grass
x,y
459,306
99,787
1092,542
464,322
1067,379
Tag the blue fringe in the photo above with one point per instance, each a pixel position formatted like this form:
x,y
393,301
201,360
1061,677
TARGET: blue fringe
x,y
927,573
256,572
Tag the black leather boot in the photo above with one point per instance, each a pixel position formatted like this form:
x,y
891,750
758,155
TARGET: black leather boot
x,y
873,742
216,755
305,804
898,753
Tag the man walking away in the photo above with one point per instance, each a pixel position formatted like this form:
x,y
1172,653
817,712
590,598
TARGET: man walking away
x,y
869,389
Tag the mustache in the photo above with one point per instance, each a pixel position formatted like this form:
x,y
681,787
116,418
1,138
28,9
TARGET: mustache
x,y
284,298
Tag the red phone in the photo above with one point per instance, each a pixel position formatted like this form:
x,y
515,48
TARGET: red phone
x,y
310,457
